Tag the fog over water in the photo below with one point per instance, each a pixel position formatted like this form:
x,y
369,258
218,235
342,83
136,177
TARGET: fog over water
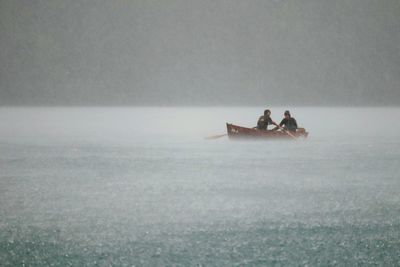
x,y
141,186
126,124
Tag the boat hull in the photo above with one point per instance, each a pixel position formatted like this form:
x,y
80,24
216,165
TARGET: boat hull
x,y
235,132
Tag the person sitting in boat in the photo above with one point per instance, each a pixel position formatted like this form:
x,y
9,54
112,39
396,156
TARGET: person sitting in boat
x,y
265,120
289,123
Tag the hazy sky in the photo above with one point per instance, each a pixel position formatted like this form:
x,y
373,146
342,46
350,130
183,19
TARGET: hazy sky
x,y
205,52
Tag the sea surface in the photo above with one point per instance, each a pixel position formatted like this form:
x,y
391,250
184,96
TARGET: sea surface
x,y
143,187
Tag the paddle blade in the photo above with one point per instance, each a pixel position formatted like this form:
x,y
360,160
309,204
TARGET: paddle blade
x,y
215,136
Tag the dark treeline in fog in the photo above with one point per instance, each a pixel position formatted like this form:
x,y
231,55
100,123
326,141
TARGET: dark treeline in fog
x,y
122,52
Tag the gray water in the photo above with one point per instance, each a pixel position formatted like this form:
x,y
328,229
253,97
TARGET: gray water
x,y
141,186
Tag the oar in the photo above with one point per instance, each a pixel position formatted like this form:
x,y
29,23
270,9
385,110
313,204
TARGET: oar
x,y
216,136
288,133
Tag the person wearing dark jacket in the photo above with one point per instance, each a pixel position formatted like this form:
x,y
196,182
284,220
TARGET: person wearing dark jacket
x,y
265,120
289,123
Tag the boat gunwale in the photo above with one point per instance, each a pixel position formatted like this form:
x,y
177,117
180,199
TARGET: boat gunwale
x,y
236,131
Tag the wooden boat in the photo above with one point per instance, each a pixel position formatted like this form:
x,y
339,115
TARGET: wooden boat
x,y
235,131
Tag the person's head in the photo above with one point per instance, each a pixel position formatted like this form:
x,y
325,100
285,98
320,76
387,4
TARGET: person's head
x,y
267,112
287,114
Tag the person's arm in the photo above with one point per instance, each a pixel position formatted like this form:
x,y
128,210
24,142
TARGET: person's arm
x,y
278,126
275,128
270,122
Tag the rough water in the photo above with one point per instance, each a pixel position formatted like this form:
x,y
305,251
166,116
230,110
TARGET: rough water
x,y
142,187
